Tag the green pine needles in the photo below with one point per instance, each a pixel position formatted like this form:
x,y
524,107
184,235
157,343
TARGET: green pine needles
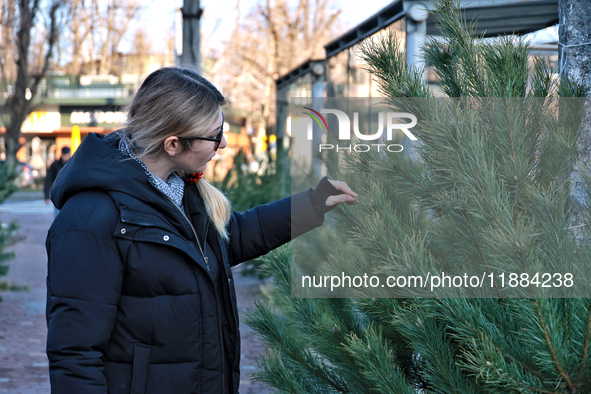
x,y
7,187
490,193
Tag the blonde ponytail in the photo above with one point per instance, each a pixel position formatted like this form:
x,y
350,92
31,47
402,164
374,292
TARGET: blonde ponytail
x,y
217,205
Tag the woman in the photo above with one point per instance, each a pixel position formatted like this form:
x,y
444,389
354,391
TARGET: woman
x,y
140,292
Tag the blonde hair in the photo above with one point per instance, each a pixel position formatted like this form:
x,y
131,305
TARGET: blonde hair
x,y
177,101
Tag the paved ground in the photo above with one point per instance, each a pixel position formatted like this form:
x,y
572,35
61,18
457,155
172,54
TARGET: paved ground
x,y
23,362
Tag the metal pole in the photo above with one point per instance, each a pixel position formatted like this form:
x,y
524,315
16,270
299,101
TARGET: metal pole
x,y
416,35
318,93
191,54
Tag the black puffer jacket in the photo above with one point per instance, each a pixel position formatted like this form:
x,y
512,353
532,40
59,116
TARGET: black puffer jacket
x,y
131,307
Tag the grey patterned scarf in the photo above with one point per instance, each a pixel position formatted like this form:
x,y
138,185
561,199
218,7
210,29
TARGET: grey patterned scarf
x,y
174,186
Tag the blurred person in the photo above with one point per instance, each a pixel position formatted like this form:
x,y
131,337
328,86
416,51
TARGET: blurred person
x,y
52,172
140,294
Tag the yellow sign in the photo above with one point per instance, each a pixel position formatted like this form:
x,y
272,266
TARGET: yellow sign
x,y
264,143
42,122
38,117
75,138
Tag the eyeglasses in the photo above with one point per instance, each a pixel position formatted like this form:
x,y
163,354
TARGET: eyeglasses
x,y
218,138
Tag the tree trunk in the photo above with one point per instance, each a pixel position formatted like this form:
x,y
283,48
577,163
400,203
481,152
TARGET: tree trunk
x,y
574,56
574,52
18,106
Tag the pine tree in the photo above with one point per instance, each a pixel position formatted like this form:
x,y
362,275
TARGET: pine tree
x,y
491,191
7,187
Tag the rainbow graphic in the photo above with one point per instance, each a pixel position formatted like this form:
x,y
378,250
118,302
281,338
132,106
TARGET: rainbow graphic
x,y
316,117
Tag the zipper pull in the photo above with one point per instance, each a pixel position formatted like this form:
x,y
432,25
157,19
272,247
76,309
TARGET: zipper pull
x,y
206,262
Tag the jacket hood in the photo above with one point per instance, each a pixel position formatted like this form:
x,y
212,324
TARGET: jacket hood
x,y
98,164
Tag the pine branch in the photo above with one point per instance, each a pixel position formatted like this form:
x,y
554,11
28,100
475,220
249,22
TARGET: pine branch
x,y
427,336
485,346
489,189
273,371
464,56
505,375
273,330
386,62
586,344
375,362
557,364
542,82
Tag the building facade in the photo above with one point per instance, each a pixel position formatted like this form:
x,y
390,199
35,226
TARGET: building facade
x,y
342,73
67,105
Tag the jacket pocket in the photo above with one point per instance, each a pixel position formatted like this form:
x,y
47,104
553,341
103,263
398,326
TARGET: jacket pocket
x,y
139,377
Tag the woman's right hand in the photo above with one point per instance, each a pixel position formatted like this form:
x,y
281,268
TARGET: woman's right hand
x,y
348,195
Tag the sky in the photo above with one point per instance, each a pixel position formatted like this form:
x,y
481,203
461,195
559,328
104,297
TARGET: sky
x,y
219,17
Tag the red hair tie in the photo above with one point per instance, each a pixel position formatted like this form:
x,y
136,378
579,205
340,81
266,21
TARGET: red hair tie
x,y
193,177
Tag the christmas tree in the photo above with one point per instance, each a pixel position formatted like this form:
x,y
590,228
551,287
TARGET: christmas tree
x,y
7,187
490,192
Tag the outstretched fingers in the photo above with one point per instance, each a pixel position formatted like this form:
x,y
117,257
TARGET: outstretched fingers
x,y
348,195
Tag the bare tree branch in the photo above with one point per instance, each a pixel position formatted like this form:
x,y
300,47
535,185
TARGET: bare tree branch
x,y
272,39
18,105
50,45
